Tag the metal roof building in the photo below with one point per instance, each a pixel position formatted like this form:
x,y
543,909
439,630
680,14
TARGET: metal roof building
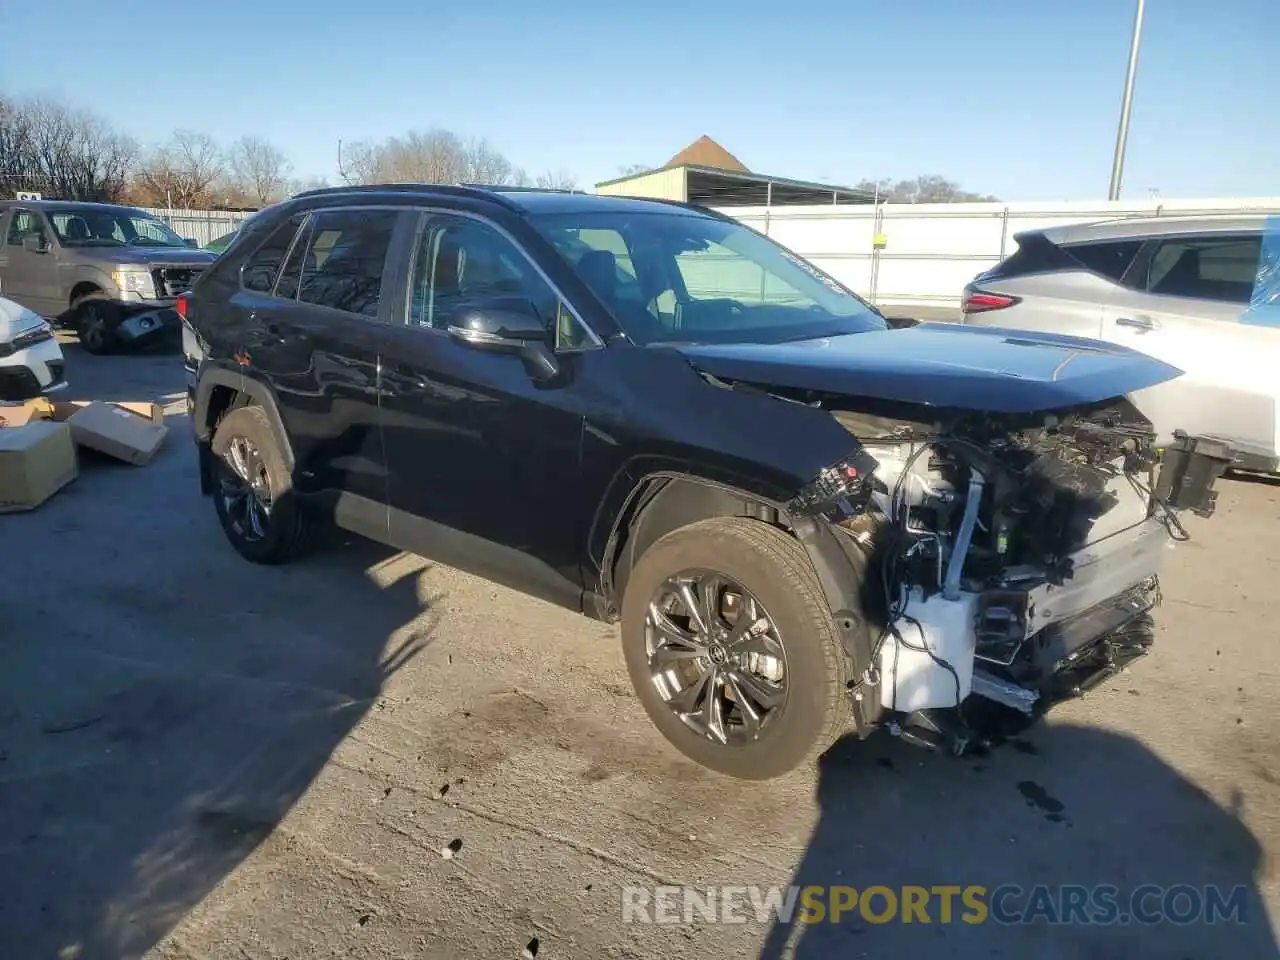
x,y
706,173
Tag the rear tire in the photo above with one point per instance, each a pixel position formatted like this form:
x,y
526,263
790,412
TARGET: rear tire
x,y
253,490
769,569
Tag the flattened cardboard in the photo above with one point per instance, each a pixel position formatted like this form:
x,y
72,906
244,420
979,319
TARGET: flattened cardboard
x,y
117,431
20,414
66,409
36,461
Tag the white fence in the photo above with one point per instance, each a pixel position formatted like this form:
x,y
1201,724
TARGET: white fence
x,y
932,250
202,226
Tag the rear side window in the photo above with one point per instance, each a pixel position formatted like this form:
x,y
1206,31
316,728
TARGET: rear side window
x,y
346,253
1110,259
1206,268
260,270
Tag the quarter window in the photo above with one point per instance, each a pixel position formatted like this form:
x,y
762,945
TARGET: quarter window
x,y
291,275
260,270
346,254
1207,268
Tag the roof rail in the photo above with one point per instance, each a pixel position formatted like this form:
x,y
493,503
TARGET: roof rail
x,y
504,188
458,189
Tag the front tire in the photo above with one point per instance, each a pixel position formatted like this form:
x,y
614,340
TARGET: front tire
x,y
92,323
732,649
253,492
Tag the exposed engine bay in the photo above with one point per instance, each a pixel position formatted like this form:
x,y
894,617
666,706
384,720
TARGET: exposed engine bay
x,y
1015,557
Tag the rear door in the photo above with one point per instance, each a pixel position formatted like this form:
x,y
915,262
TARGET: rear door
x,y
315,334
1182,303
1050,288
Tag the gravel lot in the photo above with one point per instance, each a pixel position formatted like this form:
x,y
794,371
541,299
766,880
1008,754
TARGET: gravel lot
x,y
201,758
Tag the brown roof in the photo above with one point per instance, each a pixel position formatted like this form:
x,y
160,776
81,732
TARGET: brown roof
x,y
705,152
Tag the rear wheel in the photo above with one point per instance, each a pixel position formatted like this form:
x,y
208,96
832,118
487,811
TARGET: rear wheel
x,y
732,650
252,490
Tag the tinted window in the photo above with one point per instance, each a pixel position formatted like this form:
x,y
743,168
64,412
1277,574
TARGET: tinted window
x,y
25,223
1109,259
345,255
291,275
260,270
1036,253
1208,268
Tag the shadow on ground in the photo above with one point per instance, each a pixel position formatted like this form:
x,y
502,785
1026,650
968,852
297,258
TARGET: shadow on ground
x,y
164,703
1087,808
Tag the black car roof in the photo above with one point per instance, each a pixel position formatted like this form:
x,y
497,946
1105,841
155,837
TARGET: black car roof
x,y
515,199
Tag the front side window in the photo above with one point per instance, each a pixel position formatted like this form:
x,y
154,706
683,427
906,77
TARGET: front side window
x,y
672,276
346,254
23,224
1205,268
105,227
461,262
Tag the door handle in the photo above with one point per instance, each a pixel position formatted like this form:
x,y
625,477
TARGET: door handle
x,y
1137,323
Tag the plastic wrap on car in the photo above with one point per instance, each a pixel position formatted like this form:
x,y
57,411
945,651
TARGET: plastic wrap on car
x,y
1264,304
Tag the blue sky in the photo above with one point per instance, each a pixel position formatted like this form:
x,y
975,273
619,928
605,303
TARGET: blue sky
x,y
1018,98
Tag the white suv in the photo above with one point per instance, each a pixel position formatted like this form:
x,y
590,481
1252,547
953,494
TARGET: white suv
x,y
1197,292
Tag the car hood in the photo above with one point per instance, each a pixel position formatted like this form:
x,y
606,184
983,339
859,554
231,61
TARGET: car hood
x,y
128,256
942,365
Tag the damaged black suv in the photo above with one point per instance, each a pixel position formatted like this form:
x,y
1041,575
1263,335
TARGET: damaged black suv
x,y
649,413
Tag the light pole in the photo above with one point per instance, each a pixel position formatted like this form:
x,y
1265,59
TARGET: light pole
x,y
1122,134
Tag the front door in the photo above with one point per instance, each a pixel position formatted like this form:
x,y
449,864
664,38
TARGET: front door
x,y
1186,309
29,264
483,461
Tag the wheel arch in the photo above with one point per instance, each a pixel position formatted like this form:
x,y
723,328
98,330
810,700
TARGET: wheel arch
x,y
218,392
666,500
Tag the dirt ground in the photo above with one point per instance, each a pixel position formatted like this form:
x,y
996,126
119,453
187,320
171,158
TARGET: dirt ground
x,y
200,758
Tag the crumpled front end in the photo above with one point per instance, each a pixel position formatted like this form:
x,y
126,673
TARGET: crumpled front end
x,y
1014,558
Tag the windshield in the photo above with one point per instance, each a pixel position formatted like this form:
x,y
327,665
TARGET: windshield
x,y
93,226
673,277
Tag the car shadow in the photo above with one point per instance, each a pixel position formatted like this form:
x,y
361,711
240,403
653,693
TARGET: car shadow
x,y
1062,805
164,703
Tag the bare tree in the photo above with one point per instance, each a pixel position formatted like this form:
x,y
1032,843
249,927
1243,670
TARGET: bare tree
x,y
927,188
559,179
52,149
258,169
181,172
431,156
632,169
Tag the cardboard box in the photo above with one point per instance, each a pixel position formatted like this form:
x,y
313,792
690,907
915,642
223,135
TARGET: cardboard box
x,y
116,430
66,409
20,414
36,461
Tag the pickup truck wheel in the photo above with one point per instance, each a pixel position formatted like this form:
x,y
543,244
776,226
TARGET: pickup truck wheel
x,y
252,490
91,320
731,648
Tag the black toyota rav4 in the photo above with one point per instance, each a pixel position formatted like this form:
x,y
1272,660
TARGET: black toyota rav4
x,y
649,413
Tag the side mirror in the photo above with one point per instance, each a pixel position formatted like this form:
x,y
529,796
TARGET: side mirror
x,y
191,242
507,325
33,243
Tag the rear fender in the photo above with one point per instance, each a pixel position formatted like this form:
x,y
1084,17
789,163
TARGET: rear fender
x,y
218,391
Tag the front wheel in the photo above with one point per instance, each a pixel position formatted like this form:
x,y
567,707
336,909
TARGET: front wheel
x,y
93,323
732,650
